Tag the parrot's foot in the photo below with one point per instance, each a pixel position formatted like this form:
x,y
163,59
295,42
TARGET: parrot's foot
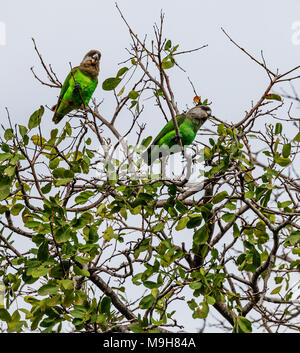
x,y
77,87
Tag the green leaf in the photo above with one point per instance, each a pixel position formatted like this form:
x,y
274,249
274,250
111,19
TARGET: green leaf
x,y
105,305
43,252
133,103
292,239
16,209
62,234
180,207
221,129
79,311
54,163
62,181
201,235
68,128
83,197
159,93
122,71
174,49
54,133
93,236
82,260
5,156
168,45
147,302
244,325
80,272
168,62
182,223
151,284
4,190
286,150
278,280
111,83
4,315
108,234
236,231
278,129
67,284
45,189
121,91
297,137
35,118
220,197
202,311
283,162
195,285
172,189
194,221
10,171
276,290
284,204
38,140
144,196
158,227
5,147
210,300
273,96
58,271
63,173
40,272
3,209
228,217
133,95
8,134
231,206
23,130
51,288
145,143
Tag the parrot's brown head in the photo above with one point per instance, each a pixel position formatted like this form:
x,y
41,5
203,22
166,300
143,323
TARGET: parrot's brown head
x,y
200,112
90,63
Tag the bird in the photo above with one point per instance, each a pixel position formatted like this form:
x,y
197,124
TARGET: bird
x,y
166,142
79,86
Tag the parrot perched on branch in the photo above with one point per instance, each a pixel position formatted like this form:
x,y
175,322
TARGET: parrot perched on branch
x,y
188,125
79,86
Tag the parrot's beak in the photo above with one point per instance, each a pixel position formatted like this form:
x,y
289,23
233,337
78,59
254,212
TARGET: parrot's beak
x,y
96,57
207,109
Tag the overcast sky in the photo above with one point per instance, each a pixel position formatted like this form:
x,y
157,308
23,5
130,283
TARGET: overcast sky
x,y
65,30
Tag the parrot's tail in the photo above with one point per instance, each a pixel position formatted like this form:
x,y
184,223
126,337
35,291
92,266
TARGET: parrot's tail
x,y
147,156
56,117
152,153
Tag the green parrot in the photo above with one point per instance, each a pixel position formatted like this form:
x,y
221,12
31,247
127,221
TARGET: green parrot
x,y
188,125
79,86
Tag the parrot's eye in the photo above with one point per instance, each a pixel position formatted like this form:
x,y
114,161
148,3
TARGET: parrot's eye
x,y
96,56
206,108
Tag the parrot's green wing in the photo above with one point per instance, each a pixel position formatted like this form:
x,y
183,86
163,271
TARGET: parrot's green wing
x,y
169,127
64,88
165,137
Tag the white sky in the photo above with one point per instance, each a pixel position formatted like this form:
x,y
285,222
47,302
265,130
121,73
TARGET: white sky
x,y
66,30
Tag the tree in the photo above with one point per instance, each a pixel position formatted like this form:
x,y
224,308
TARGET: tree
x,y
94,224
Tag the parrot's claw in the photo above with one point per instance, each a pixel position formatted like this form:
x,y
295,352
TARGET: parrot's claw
x,y
77,87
